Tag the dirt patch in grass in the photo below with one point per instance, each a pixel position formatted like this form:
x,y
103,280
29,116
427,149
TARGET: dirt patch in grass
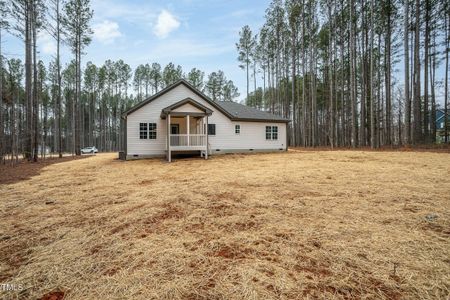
x,y
300,224
58,295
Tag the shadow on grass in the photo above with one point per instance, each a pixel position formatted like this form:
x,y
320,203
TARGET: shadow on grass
x,y
24,170
436,148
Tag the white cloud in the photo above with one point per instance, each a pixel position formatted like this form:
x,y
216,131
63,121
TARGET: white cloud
x,y
165,24
107,31
46,43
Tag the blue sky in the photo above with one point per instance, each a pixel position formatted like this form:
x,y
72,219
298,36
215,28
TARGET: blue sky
x,y
191,33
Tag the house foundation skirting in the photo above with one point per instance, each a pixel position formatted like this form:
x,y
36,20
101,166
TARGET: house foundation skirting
x,y
211,152
238,151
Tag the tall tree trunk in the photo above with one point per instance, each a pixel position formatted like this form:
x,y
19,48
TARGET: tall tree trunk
x,y
433,93
246,66
399,122
77,97
343,120
305,134
425,72
372,87
13,127
45,129
388,77
447,46
352,75
406,59
417,134
294,120
28,80
2,126
362,125
330,72
378,108
58,67
35,89
254,77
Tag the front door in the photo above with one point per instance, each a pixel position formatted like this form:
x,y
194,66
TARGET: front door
x,y
174,128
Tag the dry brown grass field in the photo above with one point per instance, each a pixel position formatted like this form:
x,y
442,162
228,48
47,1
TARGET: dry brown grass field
x,y
294,225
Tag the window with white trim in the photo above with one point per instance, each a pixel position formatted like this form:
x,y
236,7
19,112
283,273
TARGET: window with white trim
x,y
211,129
237,129
147,131
143,131
271,132
152,131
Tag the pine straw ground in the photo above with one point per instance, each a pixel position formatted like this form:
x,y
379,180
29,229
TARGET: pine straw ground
x,y
301,224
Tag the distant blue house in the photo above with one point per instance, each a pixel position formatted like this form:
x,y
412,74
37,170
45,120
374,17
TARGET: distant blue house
x,y
440,126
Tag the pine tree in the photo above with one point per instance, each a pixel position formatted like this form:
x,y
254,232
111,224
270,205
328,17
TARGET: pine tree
x,y
76,22
196,77
245,48
3,25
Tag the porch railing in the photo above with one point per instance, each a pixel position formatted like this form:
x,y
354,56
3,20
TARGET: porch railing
x,y
185,140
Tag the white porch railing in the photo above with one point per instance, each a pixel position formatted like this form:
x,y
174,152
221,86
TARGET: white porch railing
x,y
186,140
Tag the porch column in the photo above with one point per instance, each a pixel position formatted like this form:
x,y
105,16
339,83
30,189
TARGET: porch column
x,y
169,154
188,129
206,152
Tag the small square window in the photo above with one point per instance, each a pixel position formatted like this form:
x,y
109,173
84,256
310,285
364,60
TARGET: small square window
x,y
143,131
211,129
237,129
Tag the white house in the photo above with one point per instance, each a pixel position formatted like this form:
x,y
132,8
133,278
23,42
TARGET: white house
x,y
180,118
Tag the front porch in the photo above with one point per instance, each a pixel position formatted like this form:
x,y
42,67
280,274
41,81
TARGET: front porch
x,y
187,127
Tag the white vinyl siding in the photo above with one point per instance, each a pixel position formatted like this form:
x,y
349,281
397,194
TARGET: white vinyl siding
x,y
187,108
252,134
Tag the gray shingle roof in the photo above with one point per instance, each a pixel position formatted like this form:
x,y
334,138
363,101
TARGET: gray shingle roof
x,y
233,110
243,112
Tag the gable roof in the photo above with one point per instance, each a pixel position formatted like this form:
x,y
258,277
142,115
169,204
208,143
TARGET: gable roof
x,y
188,100
162,92
237,112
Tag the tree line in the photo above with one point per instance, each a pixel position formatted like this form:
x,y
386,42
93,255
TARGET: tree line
x,y
329,66
60,109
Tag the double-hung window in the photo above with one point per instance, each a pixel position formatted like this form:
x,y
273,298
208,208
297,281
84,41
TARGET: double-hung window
x,y
147,131
143,131
152,131
237,129
271,132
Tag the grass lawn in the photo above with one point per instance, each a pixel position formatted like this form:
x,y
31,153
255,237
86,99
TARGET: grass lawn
x,y
301,224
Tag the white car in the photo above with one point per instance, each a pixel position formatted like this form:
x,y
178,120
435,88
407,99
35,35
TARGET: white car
x,y
87,150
